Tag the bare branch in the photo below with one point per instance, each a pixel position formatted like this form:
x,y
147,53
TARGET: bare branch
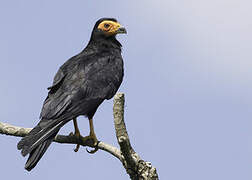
x,y
137,168
11,130
8,129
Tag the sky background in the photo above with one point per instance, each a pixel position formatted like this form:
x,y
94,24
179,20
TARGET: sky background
x,y
188,85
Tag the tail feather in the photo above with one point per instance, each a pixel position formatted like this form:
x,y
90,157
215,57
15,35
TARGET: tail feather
x,y
37,153
37,136
27,140
38,140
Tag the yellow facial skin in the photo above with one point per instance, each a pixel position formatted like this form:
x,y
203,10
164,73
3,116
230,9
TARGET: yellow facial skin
x,y
111,27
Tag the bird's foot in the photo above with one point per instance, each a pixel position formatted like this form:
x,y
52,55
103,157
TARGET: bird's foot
x,y
78,136
91,141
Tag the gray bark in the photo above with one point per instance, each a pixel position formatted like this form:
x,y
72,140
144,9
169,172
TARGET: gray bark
x,y
137,168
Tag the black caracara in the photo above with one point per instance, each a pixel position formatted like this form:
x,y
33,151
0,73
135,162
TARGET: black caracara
x,y
81,84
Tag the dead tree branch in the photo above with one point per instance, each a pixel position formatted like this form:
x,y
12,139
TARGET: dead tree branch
x,y
137,168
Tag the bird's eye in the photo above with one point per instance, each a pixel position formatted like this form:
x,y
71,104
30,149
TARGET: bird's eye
x,y
106,25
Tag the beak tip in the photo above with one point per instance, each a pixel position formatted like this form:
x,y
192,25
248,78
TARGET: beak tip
x,y
122,30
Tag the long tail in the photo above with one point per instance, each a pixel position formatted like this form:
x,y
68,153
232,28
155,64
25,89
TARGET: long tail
x,y
37,141
37,153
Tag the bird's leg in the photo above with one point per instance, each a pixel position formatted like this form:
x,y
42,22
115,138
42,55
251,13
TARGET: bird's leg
x,y
89,140
92,133
92,137
76,133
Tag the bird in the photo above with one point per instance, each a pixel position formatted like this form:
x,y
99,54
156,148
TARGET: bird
x,y
80,85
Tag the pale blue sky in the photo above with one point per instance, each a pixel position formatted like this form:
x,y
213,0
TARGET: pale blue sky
x,y
188,69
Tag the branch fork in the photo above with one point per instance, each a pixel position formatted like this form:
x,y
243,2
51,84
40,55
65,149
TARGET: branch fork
x,y
137,168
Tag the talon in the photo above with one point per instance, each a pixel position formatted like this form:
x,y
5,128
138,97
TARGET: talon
x,y
77,148
77,145
92,142
95,149
92,151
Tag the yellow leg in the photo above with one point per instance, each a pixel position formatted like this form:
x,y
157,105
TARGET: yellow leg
x,y
92,133
92,136
76,133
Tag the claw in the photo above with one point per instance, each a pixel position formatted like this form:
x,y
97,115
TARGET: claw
x,y
78,136
77,145
77,148
92,151
95,148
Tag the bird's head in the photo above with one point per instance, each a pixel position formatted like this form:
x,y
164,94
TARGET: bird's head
x,y
108,27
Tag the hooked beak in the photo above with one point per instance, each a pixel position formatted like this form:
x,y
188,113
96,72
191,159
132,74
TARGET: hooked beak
x,y
121,30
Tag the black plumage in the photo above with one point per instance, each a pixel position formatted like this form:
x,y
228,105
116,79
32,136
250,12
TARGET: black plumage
x,y
81,84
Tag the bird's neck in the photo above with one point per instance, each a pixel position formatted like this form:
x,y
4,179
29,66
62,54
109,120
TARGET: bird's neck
x,y
103,43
